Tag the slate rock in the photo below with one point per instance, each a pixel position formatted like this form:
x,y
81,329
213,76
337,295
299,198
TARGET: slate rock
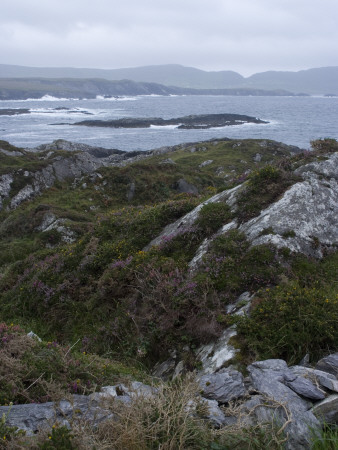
x,y
223,386
267,377
165,369
215,415
305,388
329,364
323,379
327,410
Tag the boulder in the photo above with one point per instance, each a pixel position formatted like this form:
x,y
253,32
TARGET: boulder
x,y
182,186
305,388
223,386
329,364
294,412
215,415
318,377
327,410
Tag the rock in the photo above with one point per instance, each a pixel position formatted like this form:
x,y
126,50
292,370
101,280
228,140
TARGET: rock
x,y
305,361
142,390
202,121
33,417
32,335
278,365
215,415
24,194
267,378
259,410
318,377
179,370
168,161
241,305
206,163
214,355
183,186
131,192
305,388
329,364
257,157
327,410
165,370
51,222
5,187
308,208
189,219
223,386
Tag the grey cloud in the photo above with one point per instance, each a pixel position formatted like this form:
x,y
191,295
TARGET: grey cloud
x,y
244,35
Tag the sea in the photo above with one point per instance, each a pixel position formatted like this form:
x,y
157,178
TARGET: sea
x,y
291,120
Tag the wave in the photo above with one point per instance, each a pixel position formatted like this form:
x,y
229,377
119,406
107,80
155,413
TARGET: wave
x,y
164,127
45,98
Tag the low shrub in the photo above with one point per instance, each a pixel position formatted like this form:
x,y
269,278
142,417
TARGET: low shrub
x,y
290,321
212,216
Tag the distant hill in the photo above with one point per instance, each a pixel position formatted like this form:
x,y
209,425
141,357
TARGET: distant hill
x,y
318,81
25,88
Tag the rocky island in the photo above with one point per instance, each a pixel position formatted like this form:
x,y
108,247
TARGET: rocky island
x,y
201,121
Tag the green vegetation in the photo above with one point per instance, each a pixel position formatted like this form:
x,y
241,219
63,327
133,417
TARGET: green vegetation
x,y
34,371
130,303
297,316
107,310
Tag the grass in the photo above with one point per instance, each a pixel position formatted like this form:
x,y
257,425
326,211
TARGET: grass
x,y
34,372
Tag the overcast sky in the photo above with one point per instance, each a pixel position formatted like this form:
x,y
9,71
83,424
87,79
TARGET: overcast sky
x,y
247,36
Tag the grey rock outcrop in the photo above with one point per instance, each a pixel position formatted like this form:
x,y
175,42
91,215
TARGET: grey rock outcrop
x,y
273,393
51,222
5,187
308,209
60,169
33,417
214,355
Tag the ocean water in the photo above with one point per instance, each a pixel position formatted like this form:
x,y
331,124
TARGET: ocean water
x,y
292,120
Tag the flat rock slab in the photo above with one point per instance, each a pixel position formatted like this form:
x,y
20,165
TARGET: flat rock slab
x,y
223,386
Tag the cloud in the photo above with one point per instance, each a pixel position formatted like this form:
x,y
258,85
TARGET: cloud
x,y
244,35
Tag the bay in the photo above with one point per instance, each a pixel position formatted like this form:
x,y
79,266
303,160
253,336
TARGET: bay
x,y
292,120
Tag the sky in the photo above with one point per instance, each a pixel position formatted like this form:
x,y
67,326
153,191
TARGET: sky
x,y
247,36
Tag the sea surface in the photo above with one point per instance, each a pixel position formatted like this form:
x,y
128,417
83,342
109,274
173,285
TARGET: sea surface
x,y
292,120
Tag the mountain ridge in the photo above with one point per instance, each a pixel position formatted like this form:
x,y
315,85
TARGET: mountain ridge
x,y
315,81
